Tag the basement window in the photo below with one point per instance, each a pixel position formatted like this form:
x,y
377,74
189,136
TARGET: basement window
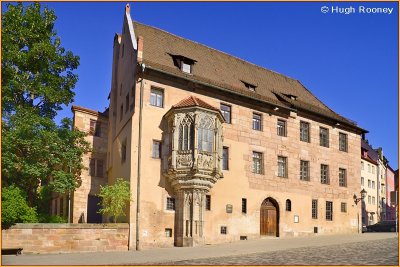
x,y
224,230
168,232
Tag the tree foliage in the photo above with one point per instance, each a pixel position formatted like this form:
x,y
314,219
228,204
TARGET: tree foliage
x,y
15,207
37,80
114,198
36,71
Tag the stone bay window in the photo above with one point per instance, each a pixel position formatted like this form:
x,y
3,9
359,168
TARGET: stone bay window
x,y
192,163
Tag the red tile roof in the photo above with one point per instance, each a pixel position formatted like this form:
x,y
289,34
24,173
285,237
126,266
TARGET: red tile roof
x,y
193,101
226,71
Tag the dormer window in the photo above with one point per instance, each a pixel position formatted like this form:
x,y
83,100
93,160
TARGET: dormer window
x,y
292,97
249,86
185,64
186,67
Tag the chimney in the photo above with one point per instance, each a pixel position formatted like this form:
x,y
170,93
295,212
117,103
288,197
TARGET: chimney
x,y
140,49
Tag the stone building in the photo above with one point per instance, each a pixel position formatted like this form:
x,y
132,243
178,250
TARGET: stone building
x,y
217,149
84,200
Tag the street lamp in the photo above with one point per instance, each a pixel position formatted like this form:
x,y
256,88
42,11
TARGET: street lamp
x,y
363,193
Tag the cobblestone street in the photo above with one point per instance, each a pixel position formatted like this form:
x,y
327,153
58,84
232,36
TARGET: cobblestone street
x,y
359,253
357,249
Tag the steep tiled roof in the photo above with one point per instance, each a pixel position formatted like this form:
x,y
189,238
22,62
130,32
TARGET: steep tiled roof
x,y
222,70
193,101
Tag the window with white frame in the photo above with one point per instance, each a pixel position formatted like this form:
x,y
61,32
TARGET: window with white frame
x,y
304,131
282,166
157,97
281,127
257,125
304,170
257,162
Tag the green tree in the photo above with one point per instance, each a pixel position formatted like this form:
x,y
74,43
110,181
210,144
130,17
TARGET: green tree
x,y
15,207
36,71
37,80
114,198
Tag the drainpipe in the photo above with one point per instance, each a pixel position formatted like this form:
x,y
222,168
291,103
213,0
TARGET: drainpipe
x,y
143,66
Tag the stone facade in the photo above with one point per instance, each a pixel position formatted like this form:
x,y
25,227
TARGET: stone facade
x,y
84,200
66,238
248,185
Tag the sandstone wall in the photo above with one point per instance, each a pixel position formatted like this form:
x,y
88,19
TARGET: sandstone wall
x,y
66,238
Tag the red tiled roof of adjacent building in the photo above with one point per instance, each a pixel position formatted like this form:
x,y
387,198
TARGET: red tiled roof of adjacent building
x,y
193,101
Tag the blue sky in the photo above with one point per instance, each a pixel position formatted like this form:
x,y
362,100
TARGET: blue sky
x,y
350,62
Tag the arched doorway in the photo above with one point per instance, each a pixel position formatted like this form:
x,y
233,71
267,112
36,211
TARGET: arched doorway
x,y
269,218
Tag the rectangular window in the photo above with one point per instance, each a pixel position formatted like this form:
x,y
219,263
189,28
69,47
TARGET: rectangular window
x,y
369,167
157,97
170,203
362,165
156,152
373,169
329,210
257,162
123,151
282,166
224,230
226,112
373,200
168,232
121,111
186,67
225,158
94,128
126,103
281,128
208,202
369,199
343,207
369,183
244,205
257,122
96,167
362,181
314,209
304,170
323,137
373,184
324,174
304,131
343,142
342,177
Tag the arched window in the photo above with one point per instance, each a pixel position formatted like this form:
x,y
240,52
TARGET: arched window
x,y
206,135
288,205
186,134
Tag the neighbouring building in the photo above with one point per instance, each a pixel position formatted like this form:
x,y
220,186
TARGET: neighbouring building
x,y
390,187
217,149
370,183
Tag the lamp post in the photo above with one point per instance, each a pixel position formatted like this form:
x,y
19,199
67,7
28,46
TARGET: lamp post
x,y
363,193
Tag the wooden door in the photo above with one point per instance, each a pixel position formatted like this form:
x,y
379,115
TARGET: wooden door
x,y
268,219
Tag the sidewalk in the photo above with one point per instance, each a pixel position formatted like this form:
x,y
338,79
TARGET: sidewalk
x,y
154,256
